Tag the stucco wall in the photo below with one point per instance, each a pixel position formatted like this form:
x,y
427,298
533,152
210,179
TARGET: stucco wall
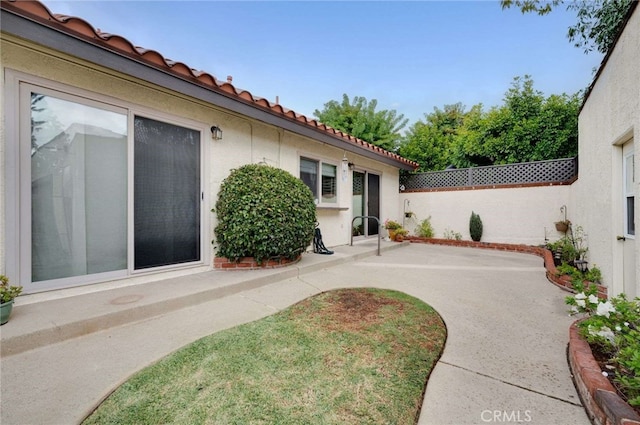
x,y
609,118
244,140
516,215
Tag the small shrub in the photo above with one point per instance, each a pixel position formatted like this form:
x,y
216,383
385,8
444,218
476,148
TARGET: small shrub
x,y
450,234
475,227
565,246
263,212
425,229
593,275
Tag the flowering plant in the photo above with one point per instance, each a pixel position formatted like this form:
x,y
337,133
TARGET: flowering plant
x,y
613,328
392,225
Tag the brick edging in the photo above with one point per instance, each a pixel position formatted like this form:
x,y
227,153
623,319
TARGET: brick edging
x,y
603,405
249,263
563,281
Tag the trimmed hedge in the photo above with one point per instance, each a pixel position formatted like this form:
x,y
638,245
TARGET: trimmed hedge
x,y
263,212
475,227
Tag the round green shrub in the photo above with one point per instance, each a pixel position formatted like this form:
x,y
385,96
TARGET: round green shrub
x,y
475,227
263,212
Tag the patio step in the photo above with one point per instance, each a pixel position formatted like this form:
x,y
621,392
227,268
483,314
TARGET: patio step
x,y
41,322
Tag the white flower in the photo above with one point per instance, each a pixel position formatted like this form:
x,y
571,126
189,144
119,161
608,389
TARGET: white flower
x,y
618,328
581,303
574,309
580,296
605,308
593,299
604,332
626,324
604,373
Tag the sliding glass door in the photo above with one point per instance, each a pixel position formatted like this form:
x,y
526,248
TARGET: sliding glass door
x,y
78,188
107,193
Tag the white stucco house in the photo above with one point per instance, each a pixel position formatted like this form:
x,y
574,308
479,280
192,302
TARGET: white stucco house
x,y
607,194
112,157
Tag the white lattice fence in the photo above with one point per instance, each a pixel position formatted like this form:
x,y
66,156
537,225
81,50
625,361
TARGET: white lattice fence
x,y
552,171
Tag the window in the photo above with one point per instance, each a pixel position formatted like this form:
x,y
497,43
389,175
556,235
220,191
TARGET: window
x,y
104,191
324,188
629,174
78,188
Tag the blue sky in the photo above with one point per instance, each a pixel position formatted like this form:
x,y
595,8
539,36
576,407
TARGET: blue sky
x,y
410,56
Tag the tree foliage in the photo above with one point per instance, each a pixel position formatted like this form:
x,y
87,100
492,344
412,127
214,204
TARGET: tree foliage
x,y
429,143
360,119
599,21
527,127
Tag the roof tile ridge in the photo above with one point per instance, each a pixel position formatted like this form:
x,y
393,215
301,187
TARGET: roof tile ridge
x,y
83,28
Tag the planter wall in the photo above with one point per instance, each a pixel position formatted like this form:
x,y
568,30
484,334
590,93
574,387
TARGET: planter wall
x,y
603,405
249,263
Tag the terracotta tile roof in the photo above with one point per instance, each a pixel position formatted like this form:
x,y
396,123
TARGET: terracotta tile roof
x,y
80,28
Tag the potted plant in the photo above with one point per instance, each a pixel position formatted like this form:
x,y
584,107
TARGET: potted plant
x,y
7,295
562,226
392,227
400,234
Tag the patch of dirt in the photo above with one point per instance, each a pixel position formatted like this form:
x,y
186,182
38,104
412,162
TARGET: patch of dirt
x,y
349,309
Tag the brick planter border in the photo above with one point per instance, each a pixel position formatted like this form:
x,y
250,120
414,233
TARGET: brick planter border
x,y
249,263
601,401
563,282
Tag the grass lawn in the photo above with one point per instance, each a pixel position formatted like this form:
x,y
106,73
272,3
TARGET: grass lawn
x,y
347,356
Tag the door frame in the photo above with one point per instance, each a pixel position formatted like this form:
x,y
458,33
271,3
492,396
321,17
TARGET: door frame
x,y
17,198
366,200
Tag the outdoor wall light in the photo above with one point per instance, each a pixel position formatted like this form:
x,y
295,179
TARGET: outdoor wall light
x,y
216,132
345,167
581,265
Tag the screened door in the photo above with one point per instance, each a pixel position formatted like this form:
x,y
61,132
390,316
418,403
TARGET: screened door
x,y
365,201
373,201
167,194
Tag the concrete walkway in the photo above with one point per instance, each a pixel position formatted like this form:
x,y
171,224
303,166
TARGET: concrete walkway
x,y
504,361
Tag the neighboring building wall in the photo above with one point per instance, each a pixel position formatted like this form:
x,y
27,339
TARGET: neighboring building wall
x,y
609,119
515,215
244,140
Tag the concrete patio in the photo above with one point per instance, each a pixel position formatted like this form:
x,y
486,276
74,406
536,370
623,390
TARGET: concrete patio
x,y
504,360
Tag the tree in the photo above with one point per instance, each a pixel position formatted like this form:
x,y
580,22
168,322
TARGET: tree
x,y
599,21
360,119
429,143
528,127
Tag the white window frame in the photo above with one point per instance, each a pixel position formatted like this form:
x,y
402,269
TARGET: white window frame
x,y
628,191
321,162
18,193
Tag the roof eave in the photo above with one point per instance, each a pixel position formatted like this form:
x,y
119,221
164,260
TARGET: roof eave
x,y
46,34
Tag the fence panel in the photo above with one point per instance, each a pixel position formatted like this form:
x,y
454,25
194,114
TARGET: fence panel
x,y
552,171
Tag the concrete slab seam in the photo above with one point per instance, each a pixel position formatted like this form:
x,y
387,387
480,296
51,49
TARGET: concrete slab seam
x,y
512,384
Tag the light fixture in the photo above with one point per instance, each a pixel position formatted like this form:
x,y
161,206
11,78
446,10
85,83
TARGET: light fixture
x,y
216,132
345,167
581,265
